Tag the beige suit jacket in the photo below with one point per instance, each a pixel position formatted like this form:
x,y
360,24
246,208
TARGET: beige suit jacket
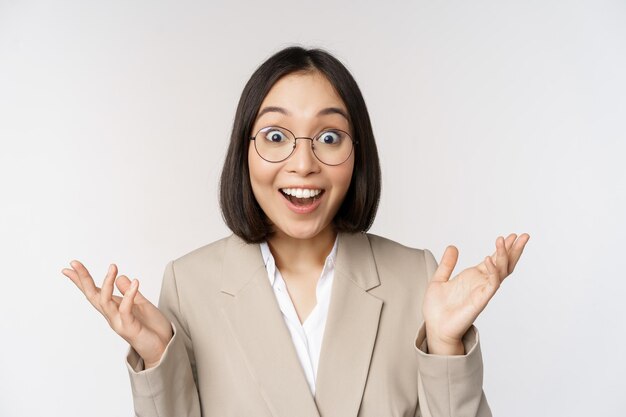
x,y
232,355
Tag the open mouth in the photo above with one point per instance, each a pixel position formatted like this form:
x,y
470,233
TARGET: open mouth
x,y
308,197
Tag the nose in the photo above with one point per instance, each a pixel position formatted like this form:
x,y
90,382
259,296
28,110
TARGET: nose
x,y
303,160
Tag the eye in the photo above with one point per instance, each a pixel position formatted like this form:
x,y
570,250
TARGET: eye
x,y
330,137
275,135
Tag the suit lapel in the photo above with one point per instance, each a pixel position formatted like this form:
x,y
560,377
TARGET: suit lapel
x,y
351,328
251,309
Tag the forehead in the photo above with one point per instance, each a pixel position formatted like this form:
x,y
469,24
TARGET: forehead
x,y
304,96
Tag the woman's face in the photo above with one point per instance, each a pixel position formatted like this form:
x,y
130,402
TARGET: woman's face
x,y
302,98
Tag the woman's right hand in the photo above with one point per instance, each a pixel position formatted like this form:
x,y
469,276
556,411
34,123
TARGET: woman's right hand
x,y
132,316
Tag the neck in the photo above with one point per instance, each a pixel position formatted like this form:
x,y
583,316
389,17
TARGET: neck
x,y
300,255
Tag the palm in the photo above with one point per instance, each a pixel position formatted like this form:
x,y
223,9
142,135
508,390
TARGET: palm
x,y
132,316
147,327
452,305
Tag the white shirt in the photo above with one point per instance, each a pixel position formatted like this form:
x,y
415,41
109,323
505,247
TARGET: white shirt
x,y
306,337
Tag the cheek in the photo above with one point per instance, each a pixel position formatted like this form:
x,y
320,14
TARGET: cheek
x,y
262,174
346,174
255,174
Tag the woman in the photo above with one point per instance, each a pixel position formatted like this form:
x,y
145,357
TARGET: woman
x,y
243,323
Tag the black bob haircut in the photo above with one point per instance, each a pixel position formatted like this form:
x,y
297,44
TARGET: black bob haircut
x,y
240,210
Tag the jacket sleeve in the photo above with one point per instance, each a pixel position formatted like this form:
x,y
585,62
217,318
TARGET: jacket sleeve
x,y
168,389
450,385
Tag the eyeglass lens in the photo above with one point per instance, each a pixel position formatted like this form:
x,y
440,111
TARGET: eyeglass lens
x,y
275,144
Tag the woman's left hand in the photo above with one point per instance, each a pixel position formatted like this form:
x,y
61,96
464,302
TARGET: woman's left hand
x,y
451,305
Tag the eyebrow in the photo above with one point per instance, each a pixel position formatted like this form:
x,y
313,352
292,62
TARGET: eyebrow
x,y
323,112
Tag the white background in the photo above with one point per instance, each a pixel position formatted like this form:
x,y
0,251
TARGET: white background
x,y
491,117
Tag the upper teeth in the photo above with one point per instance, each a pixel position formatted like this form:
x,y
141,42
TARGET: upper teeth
x,y
300,192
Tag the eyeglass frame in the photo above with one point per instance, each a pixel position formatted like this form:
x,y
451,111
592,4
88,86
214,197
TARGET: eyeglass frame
x,y
295,142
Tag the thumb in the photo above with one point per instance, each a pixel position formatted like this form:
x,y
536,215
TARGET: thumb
x,y
447,264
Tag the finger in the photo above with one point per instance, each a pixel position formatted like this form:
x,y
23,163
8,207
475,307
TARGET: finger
x,y
502,259
483,293
508,243
123,284
126,307
447,264
492,275
106,293
73,276
86,282
517,249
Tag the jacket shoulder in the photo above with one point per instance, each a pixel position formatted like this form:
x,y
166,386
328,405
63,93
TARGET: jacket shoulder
x,y
388,247
395,256
202,262
203,253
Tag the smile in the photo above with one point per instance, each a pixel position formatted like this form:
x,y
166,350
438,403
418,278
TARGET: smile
x,y
302,192
302,200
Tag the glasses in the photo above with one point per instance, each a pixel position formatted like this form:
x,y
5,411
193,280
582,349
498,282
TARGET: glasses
x,y
330,146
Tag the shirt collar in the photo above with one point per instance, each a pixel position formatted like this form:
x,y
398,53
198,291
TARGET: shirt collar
x,y
270,264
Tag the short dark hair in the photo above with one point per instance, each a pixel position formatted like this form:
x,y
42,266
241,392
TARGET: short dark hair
x,y
240,210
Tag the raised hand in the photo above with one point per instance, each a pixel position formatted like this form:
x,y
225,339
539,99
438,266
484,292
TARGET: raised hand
x,y
451,305
132,316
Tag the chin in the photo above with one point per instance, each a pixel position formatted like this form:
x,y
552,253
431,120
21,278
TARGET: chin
x,y
301,231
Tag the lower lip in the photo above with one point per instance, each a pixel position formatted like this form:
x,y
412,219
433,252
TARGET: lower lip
x,y
302,209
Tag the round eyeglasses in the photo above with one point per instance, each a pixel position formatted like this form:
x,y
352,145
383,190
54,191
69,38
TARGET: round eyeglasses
x,y
330,146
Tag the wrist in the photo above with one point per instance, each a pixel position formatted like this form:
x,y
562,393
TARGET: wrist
x,y
147,364
438,348
443,346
